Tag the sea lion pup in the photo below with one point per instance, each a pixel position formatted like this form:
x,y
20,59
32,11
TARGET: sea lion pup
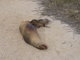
x,y
29,32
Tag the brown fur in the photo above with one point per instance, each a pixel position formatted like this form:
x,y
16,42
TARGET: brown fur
x,y
29,32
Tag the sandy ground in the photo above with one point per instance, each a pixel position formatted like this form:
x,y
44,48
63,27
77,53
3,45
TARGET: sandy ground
x,y
63,43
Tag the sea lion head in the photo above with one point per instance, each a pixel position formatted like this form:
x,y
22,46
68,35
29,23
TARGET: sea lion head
x,y
40,22
44,22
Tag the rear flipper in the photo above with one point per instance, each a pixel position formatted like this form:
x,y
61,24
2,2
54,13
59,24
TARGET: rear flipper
x,y
42,47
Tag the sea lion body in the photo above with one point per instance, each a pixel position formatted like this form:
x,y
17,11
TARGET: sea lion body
x,y
30,35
